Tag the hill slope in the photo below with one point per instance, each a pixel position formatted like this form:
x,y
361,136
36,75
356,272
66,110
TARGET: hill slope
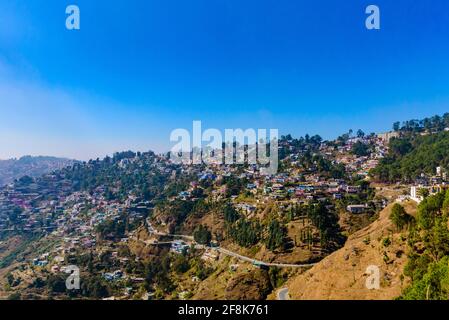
x,y
341,276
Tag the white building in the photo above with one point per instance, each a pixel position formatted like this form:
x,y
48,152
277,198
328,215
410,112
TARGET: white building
x,y
414,194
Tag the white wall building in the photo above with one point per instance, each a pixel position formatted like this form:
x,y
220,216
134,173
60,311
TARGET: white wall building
x,y
414,193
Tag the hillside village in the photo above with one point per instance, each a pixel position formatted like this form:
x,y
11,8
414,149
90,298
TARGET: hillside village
x,y
141,227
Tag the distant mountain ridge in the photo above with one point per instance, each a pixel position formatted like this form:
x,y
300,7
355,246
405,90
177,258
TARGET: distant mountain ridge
x,y
30,166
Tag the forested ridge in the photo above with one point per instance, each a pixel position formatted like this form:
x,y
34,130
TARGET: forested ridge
x,y
420,147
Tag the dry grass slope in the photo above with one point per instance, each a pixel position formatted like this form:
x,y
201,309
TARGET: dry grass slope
x,y
342,275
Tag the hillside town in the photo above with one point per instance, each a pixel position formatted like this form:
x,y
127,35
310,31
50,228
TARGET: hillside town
x,y
59,209
104,222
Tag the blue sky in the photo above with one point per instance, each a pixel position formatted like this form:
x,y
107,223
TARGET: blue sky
x,y
139,69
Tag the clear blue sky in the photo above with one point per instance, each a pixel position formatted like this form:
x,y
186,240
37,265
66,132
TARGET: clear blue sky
x,y
139,69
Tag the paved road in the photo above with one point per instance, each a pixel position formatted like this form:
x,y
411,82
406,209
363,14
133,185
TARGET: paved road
x,y
282,294
151,230
261,263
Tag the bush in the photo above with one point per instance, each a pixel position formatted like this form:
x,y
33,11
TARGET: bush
x,y
202,235
15,296
56,284
386,242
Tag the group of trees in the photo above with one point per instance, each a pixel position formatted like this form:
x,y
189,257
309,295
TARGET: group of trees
x,y
361,149
248,233
233,185
421,146
92,286
411,156
428,265
343,139
326,221
230,215
245,233
177,210
157,273
273,233
113,229
400,218
432,124
202,235
277,234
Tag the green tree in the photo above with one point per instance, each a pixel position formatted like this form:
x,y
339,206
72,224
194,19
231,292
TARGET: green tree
x,y
230,214
94,287
202,235
400,217
277,234
423,192
446,203
429,209
56,284
429,252
181,263
396,126
360,149
245,233
360,133
434,284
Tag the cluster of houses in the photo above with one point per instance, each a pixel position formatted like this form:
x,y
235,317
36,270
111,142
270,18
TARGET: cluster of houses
x,y
179,246
69,218
32,206
49,204
294,185
112,276
429,185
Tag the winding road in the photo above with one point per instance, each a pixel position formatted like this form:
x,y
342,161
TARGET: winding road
x,y
282,294
262,263
226,252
